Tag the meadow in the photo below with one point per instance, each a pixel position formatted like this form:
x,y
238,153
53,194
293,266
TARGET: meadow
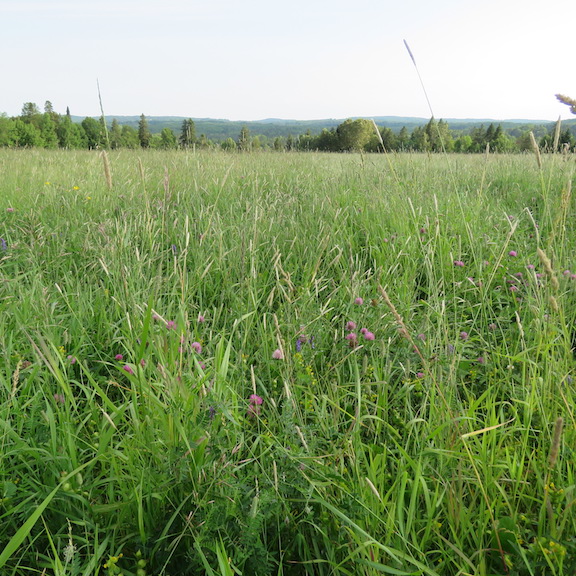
x,y
286,364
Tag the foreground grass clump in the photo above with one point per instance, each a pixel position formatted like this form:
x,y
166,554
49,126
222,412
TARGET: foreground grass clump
x,y
286,364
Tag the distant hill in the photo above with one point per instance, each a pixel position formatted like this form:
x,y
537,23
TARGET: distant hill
x,y
220,129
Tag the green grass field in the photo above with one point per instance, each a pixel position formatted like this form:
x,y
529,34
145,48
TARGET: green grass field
x,y
286,364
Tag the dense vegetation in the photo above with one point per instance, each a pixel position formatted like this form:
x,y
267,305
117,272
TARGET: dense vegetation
x,y
34,129
286,364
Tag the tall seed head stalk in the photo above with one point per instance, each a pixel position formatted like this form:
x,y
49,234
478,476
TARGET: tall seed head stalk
x,y
536,150
107,172
545,261
555,448
568,101
557,134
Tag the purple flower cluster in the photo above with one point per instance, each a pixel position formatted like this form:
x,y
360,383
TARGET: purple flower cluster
x,y
255,405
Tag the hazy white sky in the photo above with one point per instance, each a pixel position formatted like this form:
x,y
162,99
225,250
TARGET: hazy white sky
x,y
301,59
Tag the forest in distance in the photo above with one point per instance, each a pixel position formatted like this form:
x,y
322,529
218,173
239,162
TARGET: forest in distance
x,y
35,128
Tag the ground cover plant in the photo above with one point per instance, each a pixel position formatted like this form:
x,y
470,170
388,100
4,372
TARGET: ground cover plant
x,y
286,364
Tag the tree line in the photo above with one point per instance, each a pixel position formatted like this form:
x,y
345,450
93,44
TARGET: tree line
x,y
48,129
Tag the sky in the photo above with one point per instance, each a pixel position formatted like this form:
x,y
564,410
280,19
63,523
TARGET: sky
x,y
291,59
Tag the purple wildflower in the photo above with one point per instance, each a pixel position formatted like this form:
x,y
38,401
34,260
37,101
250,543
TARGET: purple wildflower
x,y
277,355
171,325
255,399
513,253
350,325
3,244
464,335
118,357
197,347
128,368
59,398
255,405
352,339
71,359
459,263
419,374
201,319
421,337
369,335
359,301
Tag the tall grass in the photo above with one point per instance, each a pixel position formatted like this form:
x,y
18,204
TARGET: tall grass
x,y
286,364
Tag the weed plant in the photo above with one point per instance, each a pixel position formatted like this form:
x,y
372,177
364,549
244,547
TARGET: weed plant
x,y
286,364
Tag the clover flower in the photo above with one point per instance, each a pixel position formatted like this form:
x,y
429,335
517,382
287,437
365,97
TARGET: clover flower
x,y
255,405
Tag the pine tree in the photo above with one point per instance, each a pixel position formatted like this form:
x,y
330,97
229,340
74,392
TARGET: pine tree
x,y
244,139
144,134
188,133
